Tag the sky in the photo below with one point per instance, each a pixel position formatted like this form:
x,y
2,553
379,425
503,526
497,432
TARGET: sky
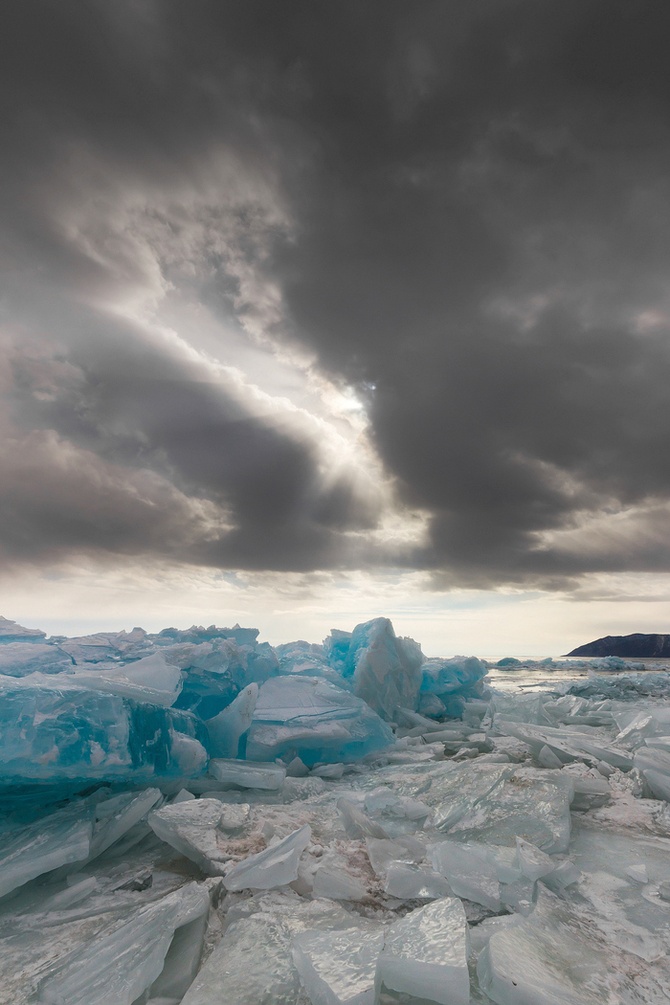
x,y
312,312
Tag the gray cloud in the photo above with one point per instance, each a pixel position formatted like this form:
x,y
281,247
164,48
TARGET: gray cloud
x,y
460,210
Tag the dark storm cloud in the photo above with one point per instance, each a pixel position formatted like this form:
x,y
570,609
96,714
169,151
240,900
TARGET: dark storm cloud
x,y
461,209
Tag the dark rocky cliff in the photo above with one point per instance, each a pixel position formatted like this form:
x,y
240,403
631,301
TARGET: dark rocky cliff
x,y
636,646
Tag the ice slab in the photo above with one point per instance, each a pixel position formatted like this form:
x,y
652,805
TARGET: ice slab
x,y
426,954
384,852
247,774
228,727
334,879
338,968
237,973
468,870
531,861
414,882
116,816
567,744
653,763
557,957
310,718
385,670
218,667
10,631
107,646
118,967
58,839
193,828
17,659
358,824
52,732
151,679
309,659
498,803
276,866
180,964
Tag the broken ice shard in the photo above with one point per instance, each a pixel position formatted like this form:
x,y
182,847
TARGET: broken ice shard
x,y
426,954
653,763
237,973
468,870
59,839
247,774
567,744
313,719
447,683
338,968
276,866
117,968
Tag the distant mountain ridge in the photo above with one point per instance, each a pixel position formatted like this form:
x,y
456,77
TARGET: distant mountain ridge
x,y
637,646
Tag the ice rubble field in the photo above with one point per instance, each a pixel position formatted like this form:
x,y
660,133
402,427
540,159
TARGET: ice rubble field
x,y
196,817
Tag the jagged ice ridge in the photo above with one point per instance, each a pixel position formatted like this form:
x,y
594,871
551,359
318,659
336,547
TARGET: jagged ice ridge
x,y
195,817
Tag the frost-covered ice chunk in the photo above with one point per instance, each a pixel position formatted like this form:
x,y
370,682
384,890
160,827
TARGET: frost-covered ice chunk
x,y
253,965
192,828
310,718
227,728
247,774
275,866
338,968
53,732
118,967
426,954
468,870
385,670
61,838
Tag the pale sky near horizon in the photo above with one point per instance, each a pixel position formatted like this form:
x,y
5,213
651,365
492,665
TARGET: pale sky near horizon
x,y
312,312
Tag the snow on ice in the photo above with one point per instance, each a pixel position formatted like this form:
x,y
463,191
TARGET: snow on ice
x,y
195,817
